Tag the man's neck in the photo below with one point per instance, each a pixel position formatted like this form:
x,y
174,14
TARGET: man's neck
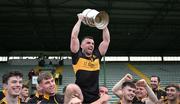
x,y
86,54
173,101
12,99
155,89
48,95
23,98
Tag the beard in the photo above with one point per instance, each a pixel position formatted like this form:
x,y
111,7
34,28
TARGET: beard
x,y
88,54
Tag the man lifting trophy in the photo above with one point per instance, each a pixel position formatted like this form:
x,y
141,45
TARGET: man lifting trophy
x,y
86,57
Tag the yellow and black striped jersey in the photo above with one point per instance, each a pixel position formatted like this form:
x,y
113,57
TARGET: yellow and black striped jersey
x,y
87,74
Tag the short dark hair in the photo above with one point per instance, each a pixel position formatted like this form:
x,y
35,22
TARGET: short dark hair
x,y
130,84
25,86
44,75
134,80
6,76
172,85
87,37
156,77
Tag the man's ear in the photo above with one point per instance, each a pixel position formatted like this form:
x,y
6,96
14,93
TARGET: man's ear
x,y
5,86
81,45
122,91
41,85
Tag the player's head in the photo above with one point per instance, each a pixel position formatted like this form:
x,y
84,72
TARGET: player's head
x,y
172,92
87,45
103,90
128,90
13,83
155,81
25,91
47,83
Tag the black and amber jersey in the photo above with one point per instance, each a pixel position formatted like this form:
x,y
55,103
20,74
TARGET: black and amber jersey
x,y
56,99
87,74
4,101
160,94
137,101
2,94
35,99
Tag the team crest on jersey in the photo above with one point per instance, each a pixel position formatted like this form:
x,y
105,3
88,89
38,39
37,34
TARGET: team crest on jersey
x,y
94,56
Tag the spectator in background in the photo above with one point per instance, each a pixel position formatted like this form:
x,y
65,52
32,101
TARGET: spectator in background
x,y
39,72
50,63
42,63
53,70
3,92
13,87
60,79
38,95
59,74
155,85
31,73
61,62
103,91
24,95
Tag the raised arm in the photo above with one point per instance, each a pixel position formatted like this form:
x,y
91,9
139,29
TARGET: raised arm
x,y
74,35
105,43
150,92
118,86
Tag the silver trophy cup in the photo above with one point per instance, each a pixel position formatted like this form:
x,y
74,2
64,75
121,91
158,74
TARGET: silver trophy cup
x,y
93,18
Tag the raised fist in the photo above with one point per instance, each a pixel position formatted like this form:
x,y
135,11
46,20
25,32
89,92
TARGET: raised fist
x,y
128,77
141,83
80,16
